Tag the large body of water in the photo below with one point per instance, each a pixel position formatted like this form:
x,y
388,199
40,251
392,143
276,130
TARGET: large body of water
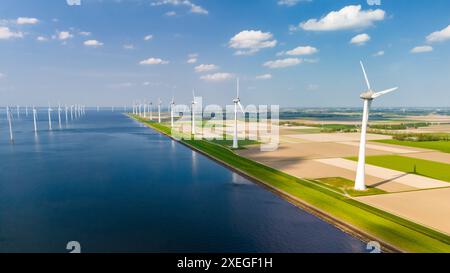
x,y
116,186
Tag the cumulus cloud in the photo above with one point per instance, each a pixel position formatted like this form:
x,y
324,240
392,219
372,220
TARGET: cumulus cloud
x,y
302,50
153,61
217,77
360,39
85,33
349,17
422,49
264,77
64,35
26,21
248,42
148,37
205,68
439,36
93,43
171,13
282,63
6,34
187,3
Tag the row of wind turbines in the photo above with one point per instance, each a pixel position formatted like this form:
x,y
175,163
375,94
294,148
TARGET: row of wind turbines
x,y
71,112
141,109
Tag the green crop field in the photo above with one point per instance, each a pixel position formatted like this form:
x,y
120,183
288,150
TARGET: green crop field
x,y
402,233
432,169
443,146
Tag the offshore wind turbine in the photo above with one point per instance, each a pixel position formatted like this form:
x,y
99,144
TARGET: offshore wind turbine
x,y
71,112
35,119
237,103
66,110
26,110
159,110
49,117
368,97
193,103
18,111
9,116
59,115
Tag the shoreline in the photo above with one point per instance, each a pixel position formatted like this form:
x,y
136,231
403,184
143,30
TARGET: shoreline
x,y
322,215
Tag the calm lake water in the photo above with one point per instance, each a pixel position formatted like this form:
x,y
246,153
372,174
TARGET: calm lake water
x,y
116,186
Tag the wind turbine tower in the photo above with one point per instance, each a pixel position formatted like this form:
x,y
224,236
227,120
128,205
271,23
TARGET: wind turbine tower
x,y
237,103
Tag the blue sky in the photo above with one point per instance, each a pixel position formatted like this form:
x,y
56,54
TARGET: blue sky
x,y
287,52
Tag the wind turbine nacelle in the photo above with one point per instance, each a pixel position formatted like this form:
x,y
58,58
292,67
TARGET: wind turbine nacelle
x,y
367,95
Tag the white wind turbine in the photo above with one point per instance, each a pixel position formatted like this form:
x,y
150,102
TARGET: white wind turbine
x,y
66,112
9,116
49,117
237,103
71,112
26,110
35,119
59,115
193,103
368,97
151,110
159,110
172,105
18,111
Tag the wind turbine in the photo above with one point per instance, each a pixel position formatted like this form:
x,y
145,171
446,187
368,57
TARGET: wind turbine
x,y
237,102
71,112
9,116
18,112
172,105
49,117
159,110
151,110
193,103
35,119
26,110
368,97
66,110
59,115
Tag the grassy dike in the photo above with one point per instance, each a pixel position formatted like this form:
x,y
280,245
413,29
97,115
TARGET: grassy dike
x,y
363,221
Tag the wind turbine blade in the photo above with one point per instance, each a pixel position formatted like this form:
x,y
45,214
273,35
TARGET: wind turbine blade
x,y
240,106
237,87
381,93
365,75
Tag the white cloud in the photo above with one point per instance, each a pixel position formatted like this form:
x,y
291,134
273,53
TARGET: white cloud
x,y
26,21
192,58
282,63
290,3
312,87
148,37
302,50
153,61
422,49
251,41
6,34
360,39
171,13
264,77
128,46
85,33
217,77
349,17
93,43
205,68
379,53
187,3
439,36
2,75
41,38
64,35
